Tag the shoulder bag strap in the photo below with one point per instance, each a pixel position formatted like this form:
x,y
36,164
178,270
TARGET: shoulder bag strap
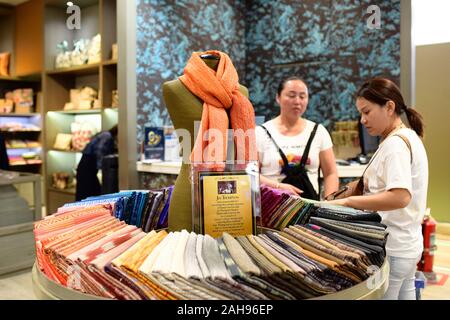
x,y
283,156
405,139
400,136
308,146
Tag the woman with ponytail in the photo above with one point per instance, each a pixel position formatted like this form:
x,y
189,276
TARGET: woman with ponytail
x,y
396,181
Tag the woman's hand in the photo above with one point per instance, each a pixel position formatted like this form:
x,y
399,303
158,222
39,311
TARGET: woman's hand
x,y
383,201
290,188
339,202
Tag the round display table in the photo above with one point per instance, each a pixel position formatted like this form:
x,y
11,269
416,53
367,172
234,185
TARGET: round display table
x,y
371,289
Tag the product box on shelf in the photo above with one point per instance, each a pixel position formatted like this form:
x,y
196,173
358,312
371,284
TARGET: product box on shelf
x,y
23,100
63,141
6,106
21,109
154,143
115,52
115,99
171,145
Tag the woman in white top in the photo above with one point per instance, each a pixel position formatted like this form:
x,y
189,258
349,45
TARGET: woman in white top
x,y
396,182
291,132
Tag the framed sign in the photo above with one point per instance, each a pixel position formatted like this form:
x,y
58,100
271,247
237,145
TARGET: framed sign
x,y
225,201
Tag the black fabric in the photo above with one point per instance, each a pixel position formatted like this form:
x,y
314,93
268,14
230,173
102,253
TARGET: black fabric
x,y
373,223
87,181
336,214
297,175
4,162
375,253
348,232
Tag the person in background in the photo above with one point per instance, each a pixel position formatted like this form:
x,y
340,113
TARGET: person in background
x,y
102,144
291,132
4,161
396,182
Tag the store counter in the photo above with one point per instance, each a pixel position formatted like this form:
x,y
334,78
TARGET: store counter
x,y
351,171
371,289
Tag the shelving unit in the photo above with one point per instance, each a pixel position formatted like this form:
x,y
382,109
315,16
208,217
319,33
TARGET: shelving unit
x,y
98,17
21,37
16,220
19,115
34,119
31,31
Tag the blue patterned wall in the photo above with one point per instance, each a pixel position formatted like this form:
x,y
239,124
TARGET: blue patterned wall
x,y
327,42
168,32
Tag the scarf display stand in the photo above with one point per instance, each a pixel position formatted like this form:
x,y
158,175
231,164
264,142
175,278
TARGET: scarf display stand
x,y
371,289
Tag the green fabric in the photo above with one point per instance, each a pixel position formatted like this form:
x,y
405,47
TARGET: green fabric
x,y
239,255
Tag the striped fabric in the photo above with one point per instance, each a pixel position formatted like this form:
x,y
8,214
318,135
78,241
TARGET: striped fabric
x,y
97,247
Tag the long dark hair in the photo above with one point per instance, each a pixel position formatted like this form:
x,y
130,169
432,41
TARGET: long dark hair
x,y
283,83
381,90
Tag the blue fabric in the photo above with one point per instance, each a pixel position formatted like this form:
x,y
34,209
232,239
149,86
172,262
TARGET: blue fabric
x,y
164,214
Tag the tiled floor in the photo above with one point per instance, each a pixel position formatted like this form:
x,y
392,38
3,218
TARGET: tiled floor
x,y
18,286
441,266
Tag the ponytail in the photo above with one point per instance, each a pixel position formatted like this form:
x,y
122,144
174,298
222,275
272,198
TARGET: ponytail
x,y
381,90
415,120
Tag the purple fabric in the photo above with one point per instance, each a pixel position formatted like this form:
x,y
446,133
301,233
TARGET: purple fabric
x,y
271,200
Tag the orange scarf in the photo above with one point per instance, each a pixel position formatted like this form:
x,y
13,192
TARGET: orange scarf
x,y
219,90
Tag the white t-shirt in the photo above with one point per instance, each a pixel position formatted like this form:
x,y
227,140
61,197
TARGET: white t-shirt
x,y
391,168
293,147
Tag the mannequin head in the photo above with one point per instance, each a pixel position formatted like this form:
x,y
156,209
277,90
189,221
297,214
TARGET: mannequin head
x,y
211,60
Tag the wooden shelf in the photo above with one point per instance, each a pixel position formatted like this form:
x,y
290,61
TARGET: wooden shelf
x,y
20,131
109,62
62,4
70,191
88,111
22,115
66,151
18,148
82,70
23,78
9,78
25,164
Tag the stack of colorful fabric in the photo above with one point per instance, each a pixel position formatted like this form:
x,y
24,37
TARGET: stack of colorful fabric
x,y
88,248
145,209
280,209
359,229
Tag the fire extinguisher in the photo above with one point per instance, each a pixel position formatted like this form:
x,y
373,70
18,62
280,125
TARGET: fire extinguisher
x,y
429,244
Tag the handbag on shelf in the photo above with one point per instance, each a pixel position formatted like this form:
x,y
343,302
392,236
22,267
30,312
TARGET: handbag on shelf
x,y
297,175
356,187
